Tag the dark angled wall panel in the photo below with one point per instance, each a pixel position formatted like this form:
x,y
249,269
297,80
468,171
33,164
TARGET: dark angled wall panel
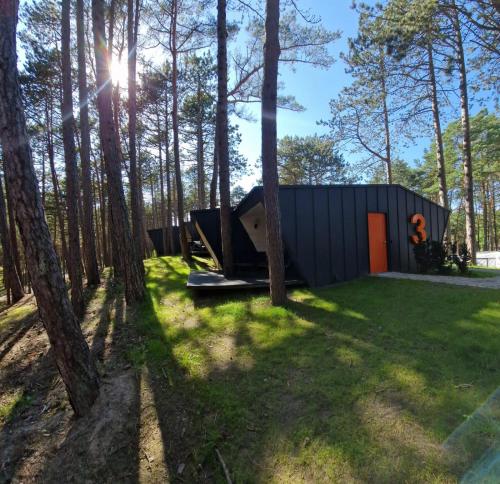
x,y
418,204
410,210
393,228
362,230
305,233
337,257
382,199
426,212
434,222
350,242
404,249
289,220
322,236
156,237
371,199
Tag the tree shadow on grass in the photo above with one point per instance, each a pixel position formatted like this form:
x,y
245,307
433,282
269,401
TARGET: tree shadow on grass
x,y
273,389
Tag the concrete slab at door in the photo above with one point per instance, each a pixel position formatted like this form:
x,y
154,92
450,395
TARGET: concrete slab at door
x,y
377,236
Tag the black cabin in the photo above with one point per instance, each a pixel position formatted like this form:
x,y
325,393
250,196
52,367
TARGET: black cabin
x,y
331,233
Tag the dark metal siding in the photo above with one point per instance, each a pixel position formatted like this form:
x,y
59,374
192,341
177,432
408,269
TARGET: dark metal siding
x,y
325,228
156,237
322,236
337,257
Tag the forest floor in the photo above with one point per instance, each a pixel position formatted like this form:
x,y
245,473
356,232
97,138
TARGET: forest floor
x,y
374,380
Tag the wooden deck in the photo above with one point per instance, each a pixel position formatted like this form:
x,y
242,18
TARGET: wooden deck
x,y
208,280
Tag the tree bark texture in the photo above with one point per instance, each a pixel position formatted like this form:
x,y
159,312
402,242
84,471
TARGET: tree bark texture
x,y
130,266
12,231
170,234
470,225
55,186
200,151
68,123
163,216
223,142
88,234
441,167
175,128
215,176
71,352
11,279
269,155
388,156
135,202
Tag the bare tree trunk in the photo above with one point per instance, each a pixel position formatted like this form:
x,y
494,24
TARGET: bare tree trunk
x,y
484,194
388,157
137,222
215,177
102,214
70,350
162,189
470,225
494,215
441,168
175,128
269,155
131,267
74,257
11,279
95,197
43,179
200,155
170,234
222,141
12,231
57,199
89,245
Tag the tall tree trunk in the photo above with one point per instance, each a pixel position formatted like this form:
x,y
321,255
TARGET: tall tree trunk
x,y
215,177
11,279
388,156
200,155
70,350
441,168
43,179
494,215
68,122
57,198
131,267
470,225
12,231
223,141
170,234
175,129
102,213
485,198
90,254
163,217
269,155
135,205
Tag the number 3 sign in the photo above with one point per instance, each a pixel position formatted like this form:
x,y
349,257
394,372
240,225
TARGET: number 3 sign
x,y
418,220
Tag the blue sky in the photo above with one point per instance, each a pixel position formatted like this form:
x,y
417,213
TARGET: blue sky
x,y
313,89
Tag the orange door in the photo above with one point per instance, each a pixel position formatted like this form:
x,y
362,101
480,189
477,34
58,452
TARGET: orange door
x,y
377,236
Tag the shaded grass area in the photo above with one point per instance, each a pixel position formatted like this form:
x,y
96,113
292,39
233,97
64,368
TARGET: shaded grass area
x,y
363,381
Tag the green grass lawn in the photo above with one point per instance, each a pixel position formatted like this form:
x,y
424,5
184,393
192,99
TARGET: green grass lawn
x,y
477,272
360,382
